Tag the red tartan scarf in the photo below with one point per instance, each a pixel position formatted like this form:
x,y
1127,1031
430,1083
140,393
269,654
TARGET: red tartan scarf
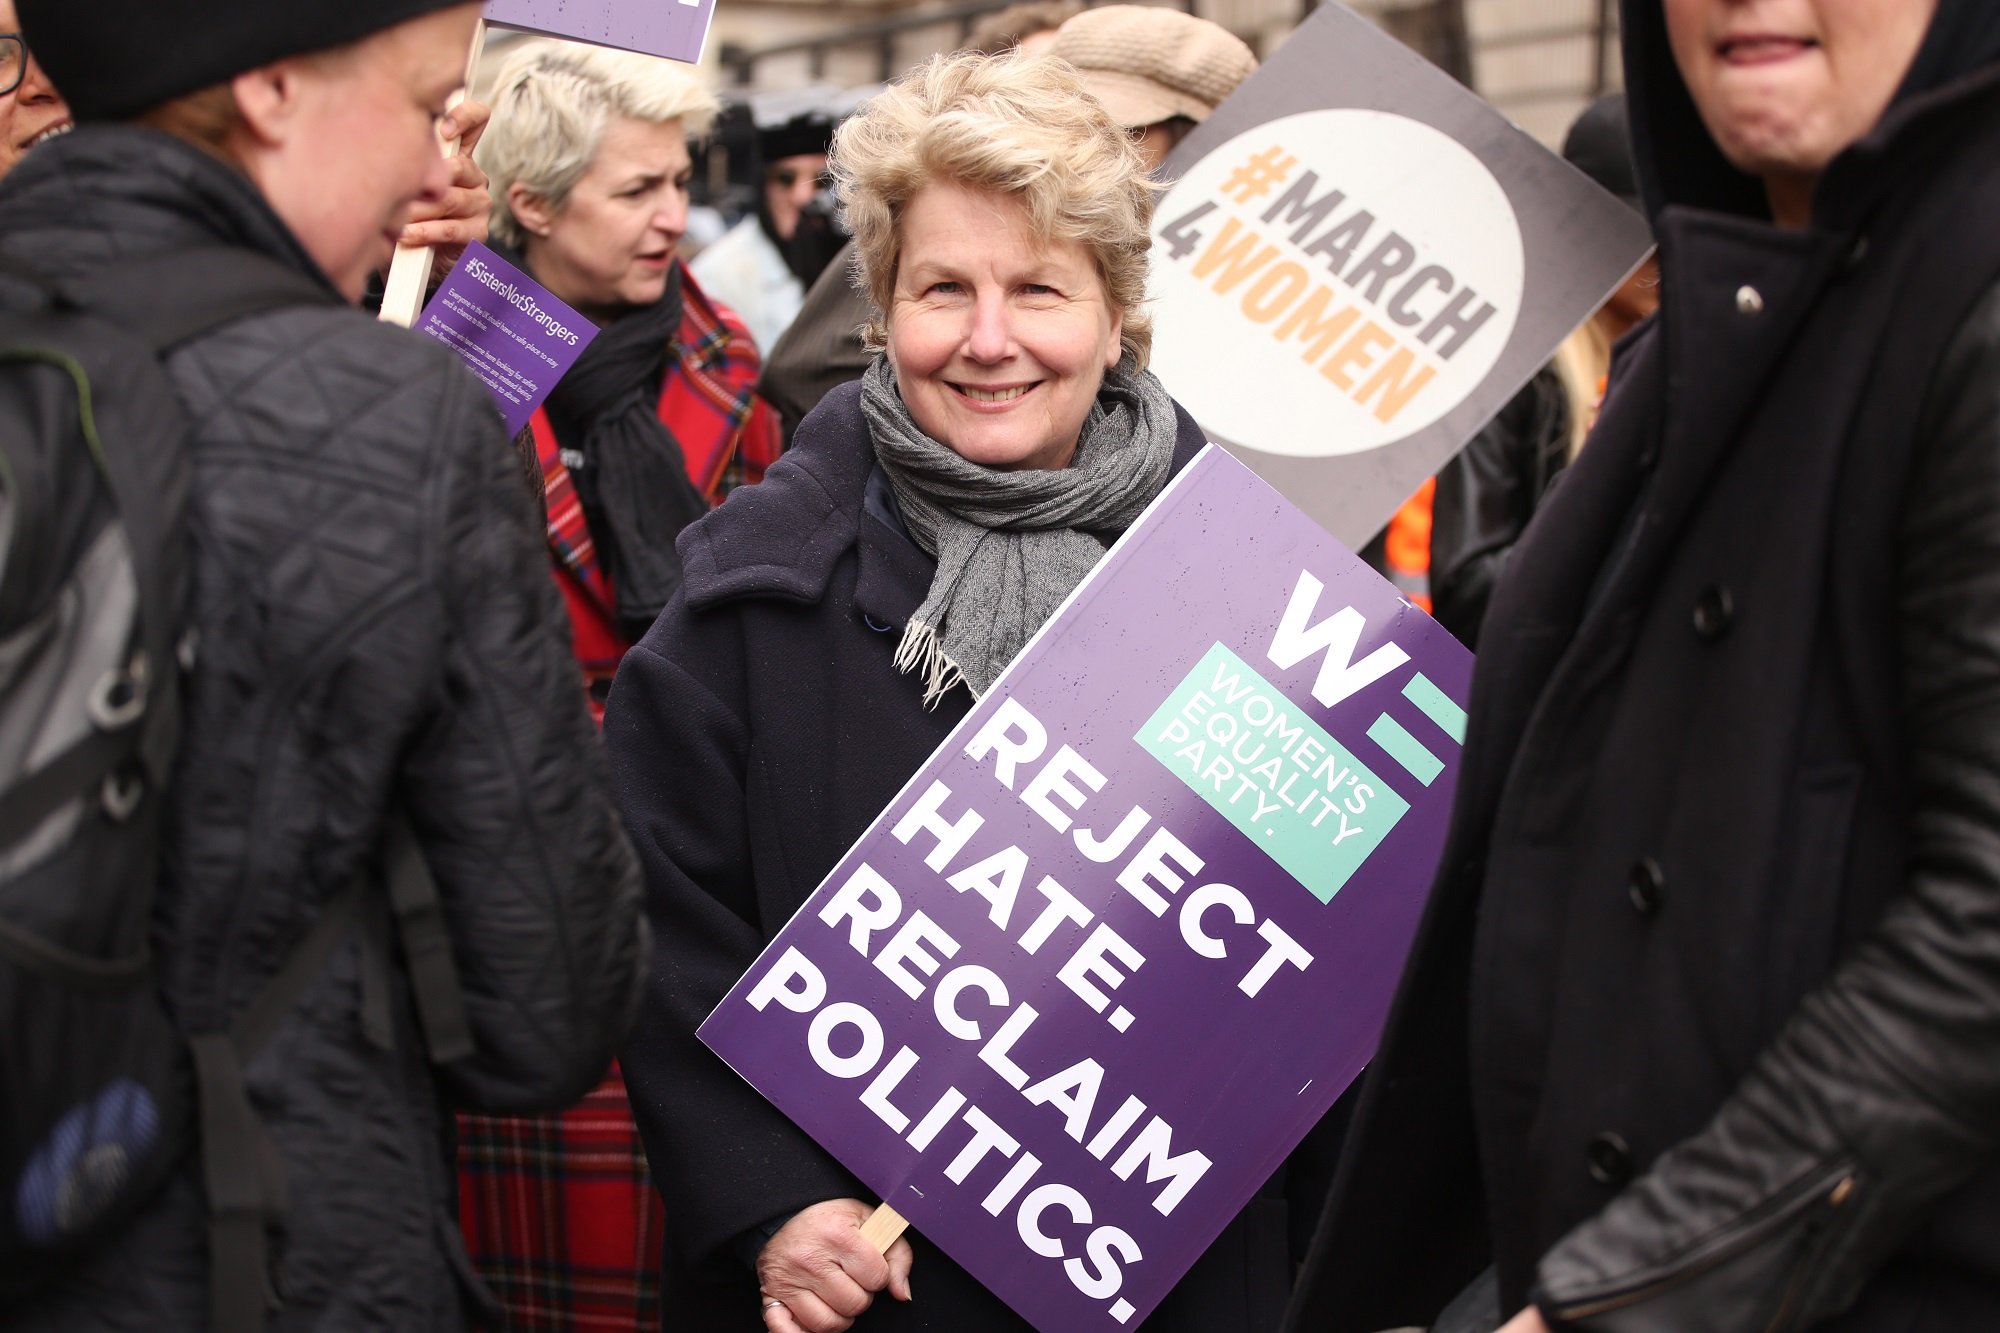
x,y
708,401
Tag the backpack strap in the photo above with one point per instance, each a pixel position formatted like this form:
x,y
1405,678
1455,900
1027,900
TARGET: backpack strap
x,y
427,956
242,1172
80,768
412,912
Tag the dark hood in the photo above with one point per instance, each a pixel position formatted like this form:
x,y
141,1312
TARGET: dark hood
x,y
1679,163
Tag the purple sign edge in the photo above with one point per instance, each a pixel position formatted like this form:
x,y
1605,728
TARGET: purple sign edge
x,y
666,47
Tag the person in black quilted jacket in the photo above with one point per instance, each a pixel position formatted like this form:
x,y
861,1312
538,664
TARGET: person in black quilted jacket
x,y
378,637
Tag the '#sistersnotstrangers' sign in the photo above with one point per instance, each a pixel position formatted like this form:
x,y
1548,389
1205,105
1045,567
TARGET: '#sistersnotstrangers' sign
x,y
1360,262
513,334
676,29
1123,940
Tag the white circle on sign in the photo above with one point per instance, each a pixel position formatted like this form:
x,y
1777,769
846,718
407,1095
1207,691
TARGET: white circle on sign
x,y
1331,282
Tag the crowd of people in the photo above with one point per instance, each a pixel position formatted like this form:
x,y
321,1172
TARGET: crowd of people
x,y
489,766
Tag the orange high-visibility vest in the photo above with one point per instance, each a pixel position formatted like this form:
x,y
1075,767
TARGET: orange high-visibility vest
x,y
1406,546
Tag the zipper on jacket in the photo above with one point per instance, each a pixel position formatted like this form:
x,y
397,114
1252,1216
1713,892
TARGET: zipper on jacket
x,y
1830,1189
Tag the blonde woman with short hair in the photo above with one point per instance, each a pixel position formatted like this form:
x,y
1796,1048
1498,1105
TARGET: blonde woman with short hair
x,y
587,152
657,420
839,619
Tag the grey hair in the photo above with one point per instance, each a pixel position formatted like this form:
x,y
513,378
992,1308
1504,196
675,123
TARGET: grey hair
x,y
1019,126
551,105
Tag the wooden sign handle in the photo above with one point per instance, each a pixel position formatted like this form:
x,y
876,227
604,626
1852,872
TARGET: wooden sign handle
x,y
883,1227
410,270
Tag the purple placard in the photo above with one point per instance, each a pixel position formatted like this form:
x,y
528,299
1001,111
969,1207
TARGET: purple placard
x,y
517,338
1111,1005
676,29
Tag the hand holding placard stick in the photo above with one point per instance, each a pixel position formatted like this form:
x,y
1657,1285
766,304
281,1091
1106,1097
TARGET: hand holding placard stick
x,y
410,270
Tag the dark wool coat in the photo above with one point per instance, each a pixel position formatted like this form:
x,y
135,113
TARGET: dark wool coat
x,y
754,734
1700,1030
378,632
1485,496
821,348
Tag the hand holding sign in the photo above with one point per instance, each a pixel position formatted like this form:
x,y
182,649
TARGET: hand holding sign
x,y
410,270
825,1270
459,216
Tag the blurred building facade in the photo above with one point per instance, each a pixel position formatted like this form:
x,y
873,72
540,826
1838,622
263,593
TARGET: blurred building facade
x,y
1539,61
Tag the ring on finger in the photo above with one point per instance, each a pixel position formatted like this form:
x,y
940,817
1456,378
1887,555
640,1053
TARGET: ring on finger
x,y
773,1304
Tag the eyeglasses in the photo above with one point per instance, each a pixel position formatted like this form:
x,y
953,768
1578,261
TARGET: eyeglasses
x,y
13,61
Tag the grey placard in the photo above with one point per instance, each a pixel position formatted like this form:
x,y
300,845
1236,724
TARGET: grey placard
x,y
1361,262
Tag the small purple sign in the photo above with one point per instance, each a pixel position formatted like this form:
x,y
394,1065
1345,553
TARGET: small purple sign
x,y
519,340
676,29
1123,940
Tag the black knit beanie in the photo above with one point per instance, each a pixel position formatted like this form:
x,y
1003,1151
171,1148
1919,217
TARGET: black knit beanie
x,y
113,59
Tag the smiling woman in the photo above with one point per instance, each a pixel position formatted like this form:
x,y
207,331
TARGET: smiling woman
x,y
998,344
1002,237
837,621
31,111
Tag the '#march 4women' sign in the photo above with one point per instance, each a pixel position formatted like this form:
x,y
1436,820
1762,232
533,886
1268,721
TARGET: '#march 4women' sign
x,y
1124,939
1360,262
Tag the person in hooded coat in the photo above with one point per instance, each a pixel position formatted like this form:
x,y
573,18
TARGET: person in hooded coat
x,y
1699,1030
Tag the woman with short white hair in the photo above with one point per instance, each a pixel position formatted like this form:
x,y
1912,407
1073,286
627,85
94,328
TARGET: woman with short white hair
x,y
588,155
657,421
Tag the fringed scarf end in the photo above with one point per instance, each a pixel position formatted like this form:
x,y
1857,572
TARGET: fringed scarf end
x,y
922,652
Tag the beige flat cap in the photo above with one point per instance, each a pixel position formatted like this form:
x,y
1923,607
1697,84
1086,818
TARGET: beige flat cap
x,y
1148,65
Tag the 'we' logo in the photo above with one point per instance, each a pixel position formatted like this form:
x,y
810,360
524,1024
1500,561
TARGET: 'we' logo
x,y
1337,638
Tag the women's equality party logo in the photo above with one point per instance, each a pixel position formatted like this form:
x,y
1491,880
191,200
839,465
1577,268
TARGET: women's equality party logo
x,y
1334,281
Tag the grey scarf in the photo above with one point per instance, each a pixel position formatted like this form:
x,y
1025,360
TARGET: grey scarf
x,y
1011,545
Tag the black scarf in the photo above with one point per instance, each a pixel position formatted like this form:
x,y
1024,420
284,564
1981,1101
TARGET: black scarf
x,y
628,469
815,239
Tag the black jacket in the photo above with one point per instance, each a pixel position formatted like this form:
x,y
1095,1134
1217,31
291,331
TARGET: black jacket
x,y
1485,496
378,632
820,349
754,734
1699,1030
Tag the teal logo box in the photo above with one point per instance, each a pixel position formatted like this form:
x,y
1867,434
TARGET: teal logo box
x,y
1241,745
